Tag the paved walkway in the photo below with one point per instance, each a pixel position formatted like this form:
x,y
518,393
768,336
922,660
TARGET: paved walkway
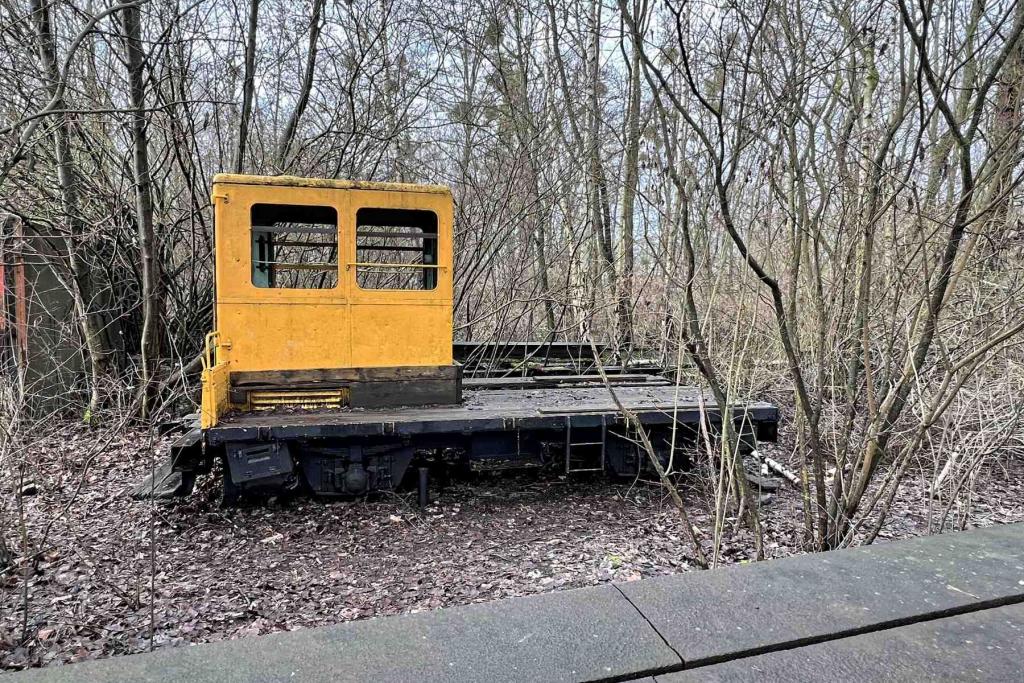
x,y
949,606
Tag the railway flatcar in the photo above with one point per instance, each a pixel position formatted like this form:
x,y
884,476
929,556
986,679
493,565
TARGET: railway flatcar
x,y
331,370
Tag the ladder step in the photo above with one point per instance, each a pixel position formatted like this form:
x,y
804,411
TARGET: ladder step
x,y
585,461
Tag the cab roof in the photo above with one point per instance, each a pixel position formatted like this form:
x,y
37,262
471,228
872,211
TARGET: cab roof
x,y
326,183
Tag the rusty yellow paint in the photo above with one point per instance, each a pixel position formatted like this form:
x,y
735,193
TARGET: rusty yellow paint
x,y
215,382
326,184
304,329
267,400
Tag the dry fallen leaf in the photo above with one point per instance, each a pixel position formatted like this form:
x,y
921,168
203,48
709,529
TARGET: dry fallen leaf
x,y
223,573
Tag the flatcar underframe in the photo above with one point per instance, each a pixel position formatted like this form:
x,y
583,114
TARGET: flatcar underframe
x,y
570,423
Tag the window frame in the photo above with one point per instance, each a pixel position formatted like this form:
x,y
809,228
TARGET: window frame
x,y
338,240
435,267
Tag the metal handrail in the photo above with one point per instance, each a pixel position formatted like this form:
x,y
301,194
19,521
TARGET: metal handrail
x,y
210,346
284,265
348,266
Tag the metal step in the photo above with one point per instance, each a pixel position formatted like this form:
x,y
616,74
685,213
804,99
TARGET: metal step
x,y
575,468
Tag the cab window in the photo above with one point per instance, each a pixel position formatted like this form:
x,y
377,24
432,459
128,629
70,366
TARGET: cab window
x,y
294,247
396,249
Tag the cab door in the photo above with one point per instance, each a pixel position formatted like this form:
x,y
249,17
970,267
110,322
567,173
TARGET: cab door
x,y
400,278
282,298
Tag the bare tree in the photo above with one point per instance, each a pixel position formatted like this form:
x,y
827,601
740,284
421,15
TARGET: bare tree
x,y
149,263
248,85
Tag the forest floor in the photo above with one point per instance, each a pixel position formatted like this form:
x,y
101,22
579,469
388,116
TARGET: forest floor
x,y
100,587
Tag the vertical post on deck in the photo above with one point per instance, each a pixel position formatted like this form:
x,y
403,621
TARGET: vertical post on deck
x,y
423,489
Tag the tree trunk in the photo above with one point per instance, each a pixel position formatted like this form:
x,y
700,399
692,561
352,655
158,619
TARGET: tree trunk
x,y
149,264
603,256
630,177
288,137
247,85
1009,129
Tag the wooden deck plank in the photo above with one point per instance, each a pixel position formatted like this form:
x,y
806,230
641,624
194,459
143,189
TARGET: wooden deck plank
x,y
501,403
497,410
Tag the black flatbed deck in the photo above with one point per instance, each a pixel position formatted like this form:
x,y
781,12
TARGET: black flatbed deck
x,y
489,410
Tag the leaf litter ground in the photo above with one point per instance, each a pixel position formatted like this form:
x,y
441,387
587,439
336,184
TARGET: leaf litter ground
x,y
99,587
